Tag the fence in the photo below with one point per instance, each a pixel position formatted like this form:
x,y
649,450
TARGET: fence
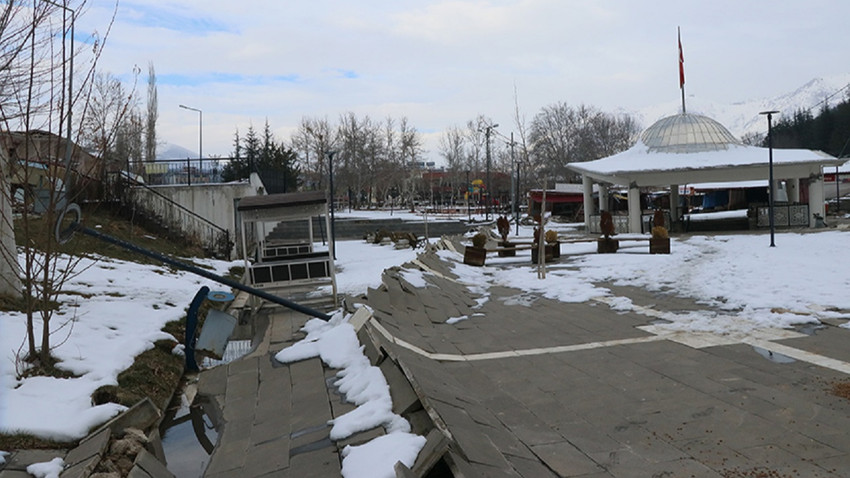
x,y
182,171
621,224
784,215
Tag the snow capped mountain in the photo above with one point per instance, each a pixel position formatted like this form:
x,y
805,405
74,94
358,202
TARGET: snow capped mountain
x,y
167,151
743,118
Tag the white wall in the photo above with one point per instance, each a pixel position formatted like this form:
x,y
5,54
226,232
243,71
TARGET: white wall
x,y
213,202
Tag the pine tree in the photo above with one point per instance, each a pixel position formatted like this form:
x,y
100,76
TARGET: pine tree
x,y
275,164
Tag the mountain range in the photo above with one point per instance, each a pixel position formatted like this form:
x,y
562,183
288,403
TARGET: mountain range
x,y
743,119
166,151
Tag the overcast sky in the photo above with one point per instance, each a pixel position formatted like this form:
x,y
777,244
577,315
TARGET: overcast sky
x,y
441,63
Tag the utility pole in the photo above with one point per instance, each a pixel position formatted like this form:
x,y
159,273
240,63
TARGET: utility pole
x,y
487,131
515,186
770,178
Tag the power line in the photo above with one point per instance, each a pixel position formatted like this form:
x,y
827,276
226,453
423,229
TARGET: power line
x,y
825,100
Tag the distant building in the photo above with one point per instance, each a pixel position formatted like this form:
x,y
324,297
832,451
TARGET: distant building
x,y
565,200
37,165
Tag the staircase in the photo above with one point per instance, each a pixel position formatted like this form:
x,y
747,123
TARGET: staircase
x,y
357,228
173,220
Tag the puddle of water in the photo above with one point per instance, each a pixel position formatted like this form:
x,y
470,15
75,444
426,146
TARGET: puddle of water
x,y
773,357
188,433
188,440
316,445
319,444
307,431
810,329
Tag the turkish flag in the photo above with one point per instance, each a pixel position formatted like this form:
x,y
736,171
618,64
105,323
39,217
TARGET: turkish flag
x,y
681,63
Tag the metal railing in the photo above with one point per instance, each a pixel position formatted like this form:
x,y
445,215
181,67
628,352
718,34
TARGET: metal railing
x,y
182,171
178,221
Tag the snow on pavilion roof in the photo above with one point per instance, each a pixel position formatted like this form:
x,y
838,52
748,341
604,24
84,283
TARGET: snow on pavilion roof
x,y
695,146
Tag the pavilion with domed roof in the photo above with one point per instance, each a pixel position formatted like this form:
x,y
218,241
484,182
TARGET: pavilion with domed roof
x,y
688,149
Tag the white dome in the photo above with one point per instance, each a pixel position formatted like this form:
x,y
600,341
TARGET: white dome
x,y
687,133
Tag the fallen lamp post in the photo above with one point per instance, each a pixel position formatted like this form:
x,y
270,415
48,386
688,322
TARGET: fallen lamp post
x,y
65,235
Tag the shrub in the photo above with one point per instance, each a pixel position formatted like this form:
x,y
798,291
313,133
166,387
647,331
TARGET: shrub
x,y
504,227
479,240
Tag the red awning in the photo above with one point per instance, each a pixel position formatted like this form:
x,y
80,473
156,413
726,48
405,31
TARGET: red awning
x,y
556,197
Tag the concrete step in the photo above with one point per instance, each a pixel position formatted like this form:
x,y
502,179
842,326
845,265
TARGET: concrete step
x,y
353,228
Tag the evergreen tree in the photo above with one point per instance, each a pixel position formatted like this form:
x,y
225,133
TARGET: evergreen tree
x,y
829,131
272,161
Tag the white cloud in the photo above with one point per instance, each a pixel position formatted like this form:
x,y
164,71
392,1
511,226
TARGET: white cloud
x,y
441,63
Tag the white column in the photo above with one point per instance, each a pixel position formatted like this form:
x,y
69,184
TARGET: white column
x,y
674,203
587,186
816,198
310,231
634,208
603,197
793,190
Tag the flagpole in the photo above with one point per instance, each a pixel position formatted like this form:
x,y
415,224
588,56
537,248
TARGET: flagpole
x,y
681,70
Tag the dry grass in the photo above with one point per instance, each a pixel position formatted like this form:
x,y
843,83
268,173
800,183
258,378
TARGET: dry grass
x,y
156,373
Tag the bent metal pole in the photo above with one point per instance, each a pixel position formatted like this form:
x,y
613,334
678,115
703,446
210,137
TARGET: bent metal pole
x,y
65,235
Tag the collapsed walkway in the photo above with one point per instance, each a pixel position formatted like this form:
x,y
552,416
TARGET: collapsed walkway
x,y
530,387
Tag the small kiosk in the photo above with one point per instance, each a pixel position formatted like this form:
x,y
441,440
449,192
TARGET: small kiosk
x,y
292,264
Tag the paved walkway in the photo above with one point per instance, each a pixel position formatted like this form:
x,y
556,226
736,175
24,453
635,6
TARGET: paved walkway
x,y
533,387
273,418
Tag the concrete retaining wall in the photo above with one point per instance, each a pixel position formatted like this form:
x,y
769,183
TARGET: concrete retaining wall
x,y
214,202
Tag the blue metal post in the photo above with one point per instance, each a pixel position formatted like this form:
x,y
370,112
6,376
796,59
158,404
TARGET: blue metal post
x,y
191,328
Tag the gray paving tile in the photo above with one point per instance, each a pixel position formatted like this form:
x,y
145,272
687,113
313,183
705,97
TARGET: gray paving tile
x,y
213,381
565,459
93,446
837,465
530,468
81,469
248,365
6,473
316,464
23,458
586,437
150,465
229,455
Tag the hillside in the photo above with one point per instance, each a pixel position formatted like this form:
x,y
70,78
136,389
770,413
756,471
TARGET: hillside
x,y
742,118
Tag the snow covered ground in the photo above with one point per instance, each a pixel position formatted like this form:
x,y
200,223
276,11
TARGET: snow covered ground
x,y
749,285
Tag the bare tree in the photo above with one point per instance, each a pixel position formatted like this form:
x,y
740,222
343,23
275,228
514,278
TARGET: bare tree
x,y
108,110
312,141
352,167
476,143
560,134
452,149
152,116
41,158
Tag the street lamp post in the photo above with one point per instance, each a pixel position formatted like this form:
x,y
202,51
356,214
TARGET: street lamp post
x,y
487,131
200,138
331,182
514,186
517,197
68,147
468,197
770,166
